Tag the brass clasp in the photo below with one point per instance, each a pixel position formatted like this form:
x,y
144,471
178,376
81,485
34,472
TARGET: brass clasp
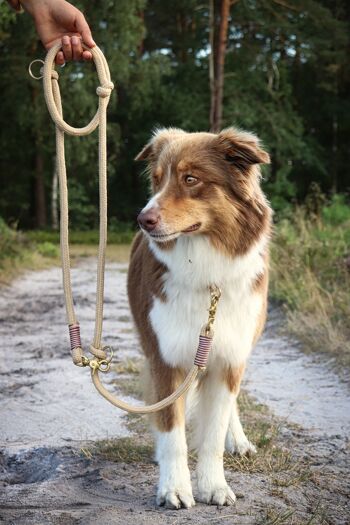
x,y
102,365
215,294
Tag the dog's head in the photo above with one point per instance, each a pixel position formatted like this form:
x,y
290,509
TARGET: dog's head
x,y
205,183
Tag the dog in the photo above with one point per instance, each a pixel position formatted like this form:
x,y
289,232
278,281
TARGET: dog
x,y
207,223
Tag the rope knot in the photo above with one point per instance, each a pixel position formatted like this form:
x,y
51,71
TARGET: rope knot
x,y
105,90
98,352
54,74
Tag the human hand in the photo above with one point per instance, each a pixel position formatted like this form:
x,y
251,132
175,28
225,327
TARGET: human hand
x,y
59,20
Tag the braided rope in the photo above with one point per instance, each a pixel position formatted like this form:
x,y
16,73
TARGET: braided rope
x,y
54,105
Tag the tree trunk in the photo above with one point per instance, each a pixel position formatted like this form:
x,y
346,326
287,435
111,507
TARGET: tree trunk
x,y
211,61
219,52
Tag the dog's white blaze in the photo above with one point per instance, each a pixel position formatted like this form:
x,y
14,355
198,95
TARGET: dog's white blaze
x,y
194,264
153,202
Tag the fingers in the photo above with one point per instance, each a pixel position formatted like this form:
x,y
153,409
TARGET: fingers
x,y
77,49
60,58
72,49
67,47
87,55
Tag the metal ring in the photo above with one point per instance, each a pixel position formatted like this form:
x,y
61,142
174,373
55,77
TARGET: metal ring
x,y
104,365
111,353
30,69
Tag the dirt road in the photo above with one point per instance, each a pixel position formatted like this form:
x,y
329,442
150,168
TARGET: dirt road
x,y
51,418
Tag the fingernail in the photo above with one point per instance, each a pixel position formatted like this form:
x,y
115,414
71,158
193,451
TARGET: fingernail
x,y
75,40
65,40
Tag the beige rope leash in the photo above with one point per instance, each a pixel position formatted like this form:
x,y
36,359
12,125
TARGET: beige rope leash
x,y
101,361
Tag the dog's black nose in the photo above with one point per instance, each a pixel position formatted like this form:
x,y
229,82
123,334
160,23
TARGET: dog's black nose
x,y
148,219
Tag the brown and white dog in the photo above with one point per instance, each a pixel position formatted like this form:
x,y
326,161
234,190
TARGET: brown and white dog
x,y
207,223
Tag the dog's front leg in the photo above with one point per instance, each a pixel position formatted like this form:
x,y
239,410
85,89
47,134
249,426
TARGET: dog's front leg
x,y
174,489
214,408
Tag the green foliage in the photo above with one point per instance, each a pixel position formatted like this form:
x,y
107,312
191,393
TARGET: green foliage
x,y
286,78
47,249
311,275
123,235
8,241
337,212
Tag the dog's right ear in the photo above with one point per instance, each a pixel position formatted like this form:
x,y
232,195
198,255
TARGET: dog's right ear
x,y
146,152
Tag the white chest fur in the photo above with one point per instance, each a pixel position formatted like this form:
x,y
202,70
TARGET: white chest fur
x,y
194,264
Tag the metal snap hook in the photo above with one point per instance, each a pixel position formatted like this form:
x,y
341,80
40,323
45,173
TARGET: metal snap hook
x,y
40,71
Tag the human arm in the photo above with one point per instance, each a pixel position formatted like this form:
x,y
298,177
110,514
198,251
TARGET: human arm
x,y
59,20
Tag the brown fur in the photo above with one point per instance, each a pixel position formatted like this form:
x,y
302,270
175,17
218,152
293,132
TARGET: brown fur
x,y
228,201
233,377
160,382
145,280
232,211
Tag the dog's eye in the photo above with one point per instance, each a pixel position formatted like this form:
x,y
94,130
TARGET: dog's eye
x,y
190,180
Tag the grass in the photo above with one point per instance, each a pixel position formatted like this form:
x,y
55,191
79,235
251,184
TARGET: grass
x,y
121,236
125,450
310,274
273,516
17,253
37,250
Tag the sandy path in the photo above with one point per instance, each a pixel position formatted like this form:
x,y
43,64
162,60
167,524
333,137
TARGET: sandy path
x,y
49,409
46,401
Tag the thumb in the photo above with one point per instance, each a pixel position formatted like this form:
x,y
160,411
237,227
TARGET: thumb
x,y
83,28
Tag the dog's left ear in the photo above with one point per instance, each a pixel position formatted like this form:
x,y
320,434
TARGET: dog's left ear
x,y
161,137
242,148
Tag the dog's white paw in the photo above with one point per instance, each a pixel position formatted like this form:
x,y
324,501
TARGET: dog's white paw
x,y
175,498
219,495
242,447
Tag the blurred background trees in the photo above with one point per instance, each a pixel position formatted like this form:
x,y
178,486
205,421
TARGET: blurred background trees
x,y
278,67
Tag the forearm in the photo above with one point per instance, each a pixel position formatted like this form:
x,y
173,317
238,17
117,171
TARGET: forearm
x,y
59,20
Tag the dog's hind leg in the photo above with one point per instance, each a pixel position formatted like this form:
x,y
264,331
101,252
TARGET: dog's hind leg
x,y
236,441
174,489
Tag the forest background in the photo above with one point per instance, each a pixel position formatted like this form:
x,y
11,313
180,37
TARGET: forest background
x,y
279,68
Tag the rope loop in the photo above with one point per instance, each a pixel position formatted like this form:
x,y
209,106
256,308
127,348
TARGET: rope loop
x,y
52,95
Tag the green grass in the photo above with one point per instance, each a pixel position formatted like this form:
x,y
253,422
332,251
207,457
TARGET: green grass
x,y
35,250
125,450
310,274
122,236
18,252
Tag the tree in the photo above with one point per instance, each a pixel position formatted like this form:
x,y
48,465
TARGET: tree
x,y
284,69
218,28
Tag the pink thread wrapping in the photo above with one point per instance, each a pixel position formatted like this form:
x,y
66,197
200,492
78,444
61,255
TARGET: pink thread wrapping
x,y
203,350
74,334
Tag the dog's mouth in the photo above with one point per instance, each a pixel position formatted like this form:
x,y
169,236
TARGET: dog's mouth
x,y
163,237
192,228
